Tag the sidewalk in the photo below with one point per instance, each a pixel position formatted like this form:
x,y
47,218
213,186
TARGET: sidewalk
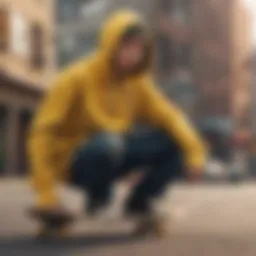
x,y
215,220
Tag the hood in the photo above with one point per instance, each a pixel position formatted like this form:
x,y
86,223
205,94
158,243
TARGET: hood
x,y
113,31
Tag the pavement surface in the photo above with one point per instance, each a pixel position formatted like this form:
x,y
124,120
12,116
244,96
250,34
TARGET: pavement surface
x,y
207,220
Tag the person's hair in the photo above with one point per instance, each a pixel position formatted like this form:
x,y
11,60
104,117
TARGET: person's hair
x,y
132,32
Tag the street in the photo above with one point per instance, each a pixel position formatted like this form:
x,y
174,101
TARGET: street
x,y
206,220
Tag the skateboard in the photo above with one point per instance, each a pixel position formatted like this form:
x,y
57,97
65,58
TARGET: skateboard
x,y
57,226
51,226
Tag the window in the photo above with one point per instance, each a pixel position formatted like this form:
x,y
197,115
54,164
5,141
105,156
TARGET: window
x,y
165,52
69,10
91,8
37,49
184,56
171,54
166,5
24,120
3,136
4,29
178,9
19,34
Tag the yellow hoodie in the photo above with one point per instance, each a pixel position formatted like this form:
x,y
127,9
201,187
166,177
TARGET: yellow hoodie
x,y
86,99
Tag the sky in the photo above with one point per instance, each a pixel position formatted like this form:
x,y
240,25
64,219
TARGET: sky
x,y
252,6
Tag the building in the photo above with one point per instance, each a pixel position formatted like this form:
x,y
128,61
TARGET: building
x,y
26,65
176,53
226,94
221,56
242,77
208,41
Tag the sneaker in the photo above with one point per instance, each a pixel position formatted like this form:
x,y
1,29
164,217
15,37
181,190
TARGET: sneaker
x,y
95,206
56,218
137,209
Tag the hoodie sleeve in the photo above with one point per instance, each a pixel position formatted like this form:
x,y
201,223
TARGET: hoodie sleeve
x,y
162,113
42,138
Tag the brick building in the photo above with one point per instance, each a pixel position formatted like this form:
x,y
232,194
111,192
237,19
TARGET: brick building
x,y
26,61
224,81
242,77
210,41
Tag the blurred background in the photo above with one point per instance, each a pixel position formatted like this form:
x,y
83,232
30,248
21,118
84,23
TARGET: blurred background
x,y
205,62
205,55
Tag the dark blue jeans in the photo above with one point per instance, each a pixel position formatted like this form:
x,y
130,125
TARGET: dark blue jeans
x,y
108,157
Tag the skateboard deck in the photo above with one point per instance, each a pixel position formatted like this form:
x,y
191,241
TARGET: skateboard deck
x,y
51,226
58,226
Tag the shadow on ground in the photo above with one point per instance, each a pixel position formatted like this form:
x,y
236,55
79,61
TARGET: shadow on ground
x,y
123,244
31,246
